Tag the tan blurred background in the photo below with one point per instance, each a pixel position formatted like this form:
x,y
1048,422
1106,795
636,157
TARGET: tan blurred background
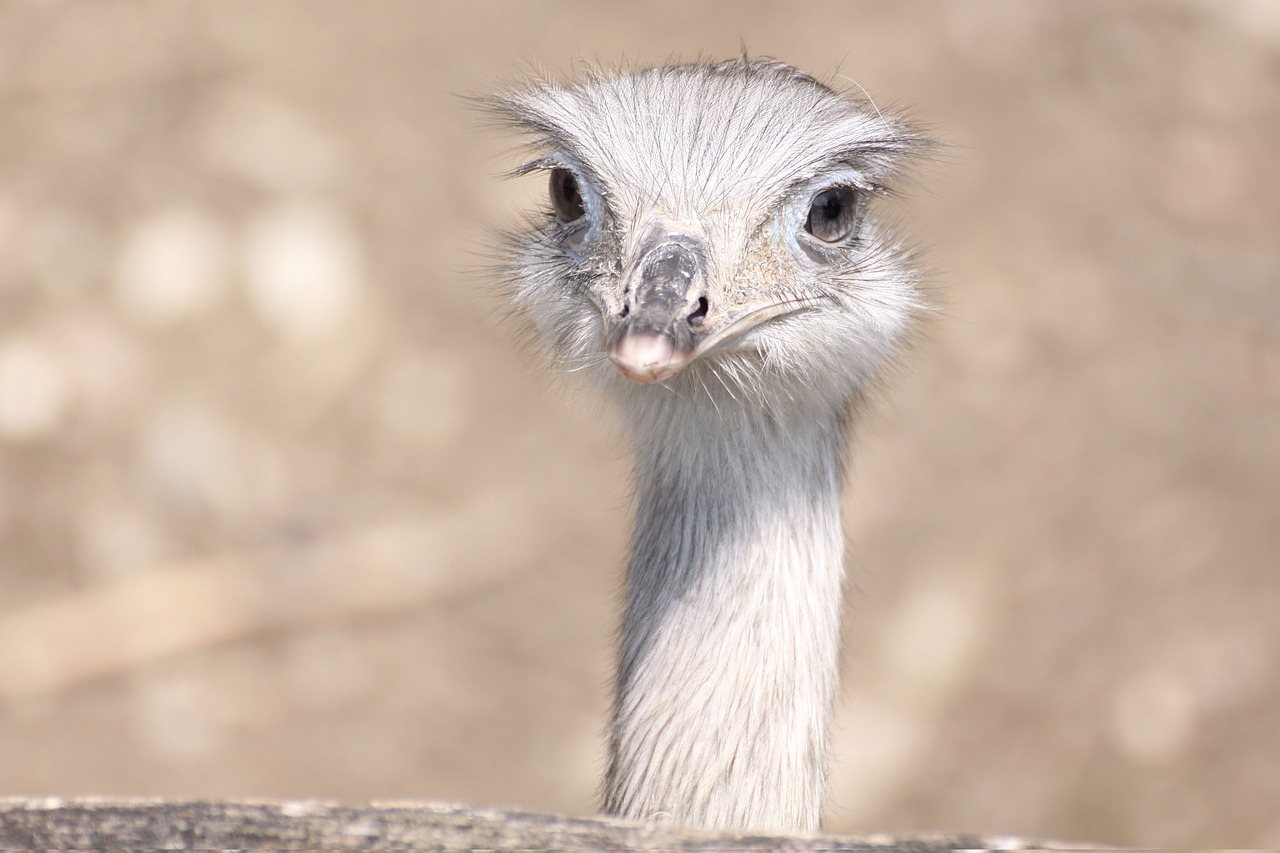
x,y
284,512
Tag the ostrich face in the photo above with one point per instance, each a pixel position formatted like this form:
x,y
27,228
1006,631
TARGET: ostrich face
x,y
711,221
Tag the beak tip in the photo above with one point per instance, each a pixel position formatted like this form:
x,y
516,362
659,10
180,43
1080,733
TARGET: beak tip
x,y
646,358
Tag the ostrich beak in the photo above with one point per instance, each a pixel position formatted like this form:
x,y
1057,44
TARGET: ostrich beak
x,y
652,337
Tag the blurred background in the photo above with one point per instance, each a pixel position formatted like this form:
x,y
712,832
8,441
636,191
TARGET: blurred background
x,y
284,511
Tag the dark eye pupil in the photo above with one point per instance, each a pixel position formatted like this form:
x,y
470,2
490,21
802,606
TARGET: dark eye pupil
x,y
832,214
831,206
566,197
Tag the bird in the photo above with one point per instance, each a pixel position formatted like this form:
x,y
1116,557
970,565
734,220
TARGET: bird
x,y
712,260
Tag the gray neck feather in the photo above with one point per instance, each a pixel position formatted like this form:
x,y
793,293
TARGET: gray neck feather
x,y
730,640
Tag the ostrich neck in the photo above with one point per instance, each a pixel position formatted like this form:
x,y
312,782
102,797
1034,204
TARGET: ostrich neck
x,y
730,640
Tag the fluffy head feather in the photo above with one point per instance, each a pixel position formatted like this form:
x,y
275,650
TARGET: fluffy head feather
x,y
734,154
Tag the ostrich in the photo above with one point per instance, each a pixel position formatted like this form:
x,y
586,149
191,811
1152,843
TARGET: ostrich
x,y
709,258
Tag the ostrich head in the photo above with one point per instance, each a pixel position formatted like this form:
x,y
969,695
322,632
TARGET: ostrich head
x,y
710,227
711,256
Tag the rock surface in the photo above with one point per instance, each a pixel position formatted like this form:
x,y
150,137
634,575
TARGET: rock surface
x,y
309,824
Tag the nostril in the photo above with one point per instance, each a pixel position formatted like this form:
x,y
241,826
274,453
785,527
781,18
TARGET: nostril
x,y
626,309
699,313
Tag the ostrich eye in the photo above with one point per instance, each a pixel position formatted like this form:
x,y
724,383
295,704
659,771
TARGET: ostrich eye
x,y
566,196
832,214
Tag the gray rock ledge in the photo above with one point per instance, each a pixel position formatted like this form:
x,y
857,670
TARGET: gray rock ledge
x,y
104,824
